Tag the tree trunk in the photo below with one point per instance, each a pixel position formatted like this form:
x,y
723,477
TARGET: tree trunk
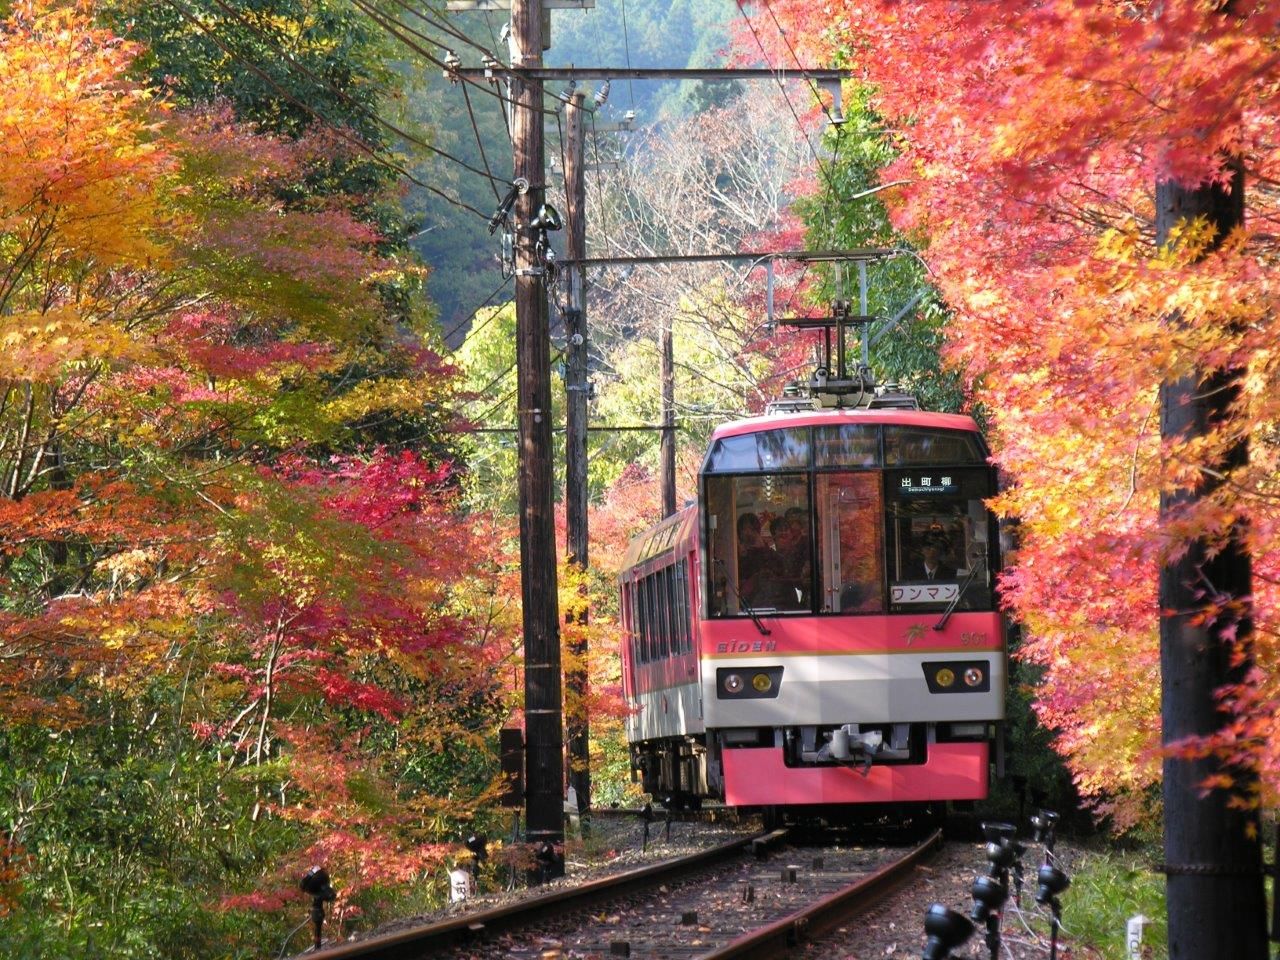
x,y
1215,900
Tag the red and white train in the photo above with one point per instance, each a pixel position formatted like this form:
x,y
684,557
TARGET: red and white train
x,y
820,630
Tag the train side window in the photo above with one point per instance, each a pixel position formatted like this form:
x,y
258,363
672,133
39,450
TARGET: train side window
x,y
851,542
629,626
644,608
672,612
652,622
721,565
682,606
662,582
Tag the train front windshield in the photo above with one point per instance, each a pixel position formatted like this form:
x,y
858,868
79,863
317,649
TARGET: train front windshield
x,y
854,518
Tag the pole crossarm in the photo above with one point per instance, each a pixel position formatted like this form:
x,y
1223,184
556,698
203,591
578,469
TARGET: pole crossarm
x,y
648,73
759,256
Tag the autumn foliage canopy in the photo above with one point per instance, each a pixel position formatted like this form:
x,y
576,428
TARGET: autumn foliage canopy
x,y
217,554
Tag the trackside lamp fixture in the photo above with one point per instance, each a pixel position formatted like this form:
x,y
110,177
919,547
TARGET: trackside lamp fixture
x,y
315,882
945,930
547,218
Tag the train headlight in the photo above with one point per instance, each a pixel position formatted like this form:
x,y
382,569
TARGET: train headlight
x,y
748,683
957,676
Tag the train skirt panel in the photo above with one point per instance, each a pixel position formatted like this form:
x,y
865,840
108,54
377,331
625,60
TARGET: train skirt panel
x,y
760,777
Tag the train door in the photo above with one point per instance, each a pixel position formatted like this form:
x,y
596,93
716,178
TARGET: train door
x,y
851,542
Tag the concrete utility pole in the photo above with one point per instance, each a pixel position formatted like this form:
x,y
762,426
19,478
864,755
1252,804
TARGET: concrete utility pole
x,y
575,453
544,742
1213,855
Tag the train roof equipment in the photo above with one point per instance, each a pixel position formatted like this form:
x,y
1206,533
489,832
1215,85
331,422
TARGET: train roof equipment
x,y
838,386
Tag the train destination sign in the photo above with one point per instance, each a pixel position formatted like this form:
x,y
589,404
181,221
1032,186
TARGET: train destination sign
x,y
927,483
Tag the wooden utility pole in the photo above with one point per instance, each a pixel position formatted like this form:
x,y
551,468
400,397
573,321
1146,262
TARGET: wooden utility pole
x,y
1213,856
544,741
575,452
668,448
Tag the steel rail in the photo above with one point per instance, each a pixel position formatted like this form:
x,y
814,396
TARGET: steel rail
x,y
429,939
791,932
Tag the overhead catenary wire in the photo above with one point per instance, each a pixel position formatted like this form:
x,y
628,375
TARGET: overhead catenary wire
x,y
340,131
351,101
796,57
817,95
822,171
626,50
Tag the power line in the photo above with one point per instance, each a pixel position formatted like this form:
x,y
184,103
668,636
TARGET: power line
x,y
359,144
466,98
399,29
427,15
351,101
484,303
595,148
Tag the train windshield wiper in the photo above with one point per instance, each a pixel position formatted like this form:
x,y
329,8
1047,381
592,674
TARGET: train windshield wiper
x,y
979,564
741,602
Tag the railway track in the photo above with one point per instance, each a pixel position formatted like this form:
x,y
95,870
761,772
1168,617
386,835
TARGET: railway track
x,y
754,897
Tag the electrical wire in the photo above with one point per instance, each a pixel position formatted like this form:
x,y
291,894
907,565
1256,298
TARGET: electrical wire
x,y
822,171
817,95
626,49
359,144
484,158
506,120
427,15
403,32
800,66
595,148
351,101
559,355
484,303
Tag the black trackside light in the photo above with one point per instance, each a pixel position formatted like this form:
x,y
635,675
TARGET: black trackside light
x,y
1001,855
945,930
989,895
315,882
478,844
1050,881
1043,824
995,831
